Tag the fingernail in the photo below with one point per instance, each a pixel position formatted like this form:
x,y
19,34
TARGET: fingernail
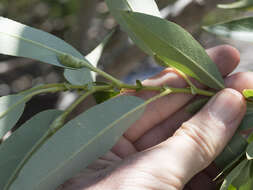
x,y
226,106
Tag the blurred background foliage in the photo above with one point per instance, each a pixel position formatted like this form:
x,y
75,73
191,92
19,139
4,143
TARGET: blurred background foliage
x,y
84,23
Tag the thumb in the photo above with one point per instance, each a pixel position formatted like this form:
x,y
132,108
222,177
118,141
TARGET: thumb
x,y
199,140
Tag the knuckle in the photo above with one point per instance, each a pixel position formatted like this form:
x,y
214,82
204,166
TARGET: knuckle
x,y
200,140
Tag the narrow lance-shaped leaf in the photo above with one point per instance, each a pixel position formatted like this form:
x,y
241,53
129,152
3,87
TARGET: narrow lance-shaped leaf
x,y
14,149
244,176
241,4
8,121
149,7
247,122
235,148
239,29
232,175
78,77
175,47
17,39
78,143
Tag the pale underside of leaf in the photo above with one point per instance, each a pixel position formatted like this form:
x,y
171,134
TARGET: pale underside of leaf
x,y
79,142
174,46
9,120
14,149
239,29
17,39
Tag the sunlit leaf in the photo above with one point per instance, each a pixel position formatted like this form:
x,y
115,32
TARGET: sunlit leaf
x,y
237,5
249,151
17,39
149,7
14,149
235,148
175,47
78,77
78,143
7,121
232,175
240,29
247,93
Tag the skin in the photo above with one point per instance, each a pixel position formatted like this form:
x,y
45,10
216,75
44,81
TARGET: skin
x,y
167,148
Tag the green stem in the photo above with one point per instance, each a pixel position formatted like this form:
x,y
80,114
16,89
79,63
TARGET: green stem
x,y
29,96
173,90
59,122
74,62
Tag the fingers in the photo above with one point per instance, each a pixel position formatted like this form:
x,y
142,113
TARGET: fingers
x,y
199,140
166,129
225,57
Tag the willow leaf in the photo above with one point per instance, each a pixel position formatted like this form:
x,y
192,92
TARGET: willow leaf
x,y
232,175
14,149
78,77
17,39
78,143
175,47
8,118
235,148
243,178
239,29
237,5
149,7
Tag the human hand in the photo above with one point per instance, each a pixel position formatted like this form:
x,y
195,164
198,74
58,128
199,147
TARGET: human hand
x,y
167,148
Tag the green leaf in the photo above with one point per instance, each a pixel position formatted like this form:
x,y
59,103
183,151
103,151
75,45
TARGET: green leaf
x,y
149,7
243,177
102,96
195,106
247,122
78,77
81,141
237,5
235,148
174,46
249,151
231,187
232,175
239,29
8,120
14,149
17,39
248,93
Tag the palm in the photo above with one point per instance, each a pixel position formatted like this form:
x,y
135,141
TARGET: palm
x,y
159,122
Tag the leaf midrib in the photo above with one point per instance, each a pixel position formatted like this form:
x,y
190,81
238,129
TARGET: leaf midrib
x,y
108,128
187,57
94,139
